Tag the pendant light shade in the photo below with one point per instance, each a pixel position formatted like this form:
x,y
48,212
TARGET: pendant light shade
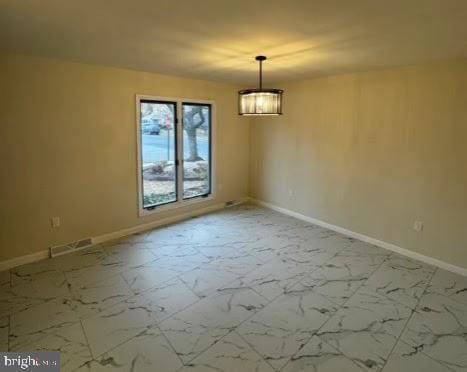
x,y
260,101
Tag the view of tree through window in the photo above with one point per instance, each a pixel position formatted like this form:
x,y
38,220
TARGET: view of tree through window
x,y
196,143
161,136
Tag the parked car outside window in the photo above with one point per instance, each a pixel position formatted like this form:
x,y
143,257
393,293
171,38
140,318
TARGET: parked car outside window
x,y
151,126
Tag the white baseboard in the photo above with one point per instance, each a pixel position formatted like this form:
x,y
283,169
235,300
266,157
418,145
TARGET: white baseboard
x,y
164,221
365,238
22,260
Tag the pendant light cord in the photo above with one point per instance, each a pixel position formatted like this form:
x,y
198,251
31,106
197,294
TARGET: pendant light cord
x,y
260,75
260,59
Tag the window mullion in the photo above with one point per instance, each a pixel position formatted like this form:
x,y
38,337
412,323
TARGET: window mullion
x,y
179,151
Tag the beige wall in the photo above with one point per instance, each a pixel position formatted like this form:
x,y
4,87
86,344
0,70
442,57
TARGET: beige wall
x,y
68,148
370,152
373,152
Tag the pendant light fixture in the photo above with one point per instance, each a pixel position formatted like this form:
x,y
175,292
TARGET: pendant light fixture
x,y
260,101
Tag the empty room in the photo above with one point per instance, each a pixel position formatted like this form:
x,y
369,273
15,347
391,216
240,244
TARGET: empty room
x,y
233,186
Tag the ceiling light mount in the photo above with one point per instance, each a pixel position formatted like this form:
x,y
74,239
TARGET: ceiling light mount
x,y
260,102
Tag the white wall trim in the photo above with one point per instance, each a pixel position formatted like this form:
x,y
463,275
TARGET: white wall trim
x,y
162,222
30,258
22,260
417,256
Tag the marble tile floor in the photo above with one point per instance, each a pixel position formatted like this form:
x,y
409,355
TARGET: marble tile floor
x,y
244,289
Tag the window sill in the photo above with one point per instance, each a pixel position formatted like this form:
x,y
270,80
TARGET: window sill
x,y
175,205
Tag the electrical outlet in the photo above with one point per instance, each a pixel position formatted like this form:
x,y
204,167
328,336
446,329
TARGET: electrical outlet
x,y
55,222
418,226
291,192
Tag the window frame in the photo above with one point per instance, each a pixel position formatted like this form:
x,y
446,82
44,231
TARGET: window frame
x,y
180,202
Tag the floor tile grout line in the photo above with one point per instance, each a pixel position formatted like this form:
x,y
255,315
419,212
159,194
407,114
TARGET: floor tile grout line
x,y
158,321
171,346
67,272
213,292
190,289
408,319
232,330
384,295
369,275
119,274
425,355
9,329
329,345
213,345
341,306
254,349
361,285
81,318
133,294
87,340
319,267
144,329
225,284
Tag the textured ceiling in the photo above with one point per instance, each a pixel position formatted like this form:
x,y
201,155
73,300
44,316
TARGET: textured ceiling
x,y
218,39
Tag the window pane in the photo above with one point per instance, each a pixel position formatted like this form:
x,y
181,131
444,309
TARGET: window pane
x,y
196,150
158,144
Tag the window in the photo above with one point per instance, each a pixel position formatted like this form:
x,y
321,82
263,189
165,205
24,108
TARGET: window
x,y
196,150
174,152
